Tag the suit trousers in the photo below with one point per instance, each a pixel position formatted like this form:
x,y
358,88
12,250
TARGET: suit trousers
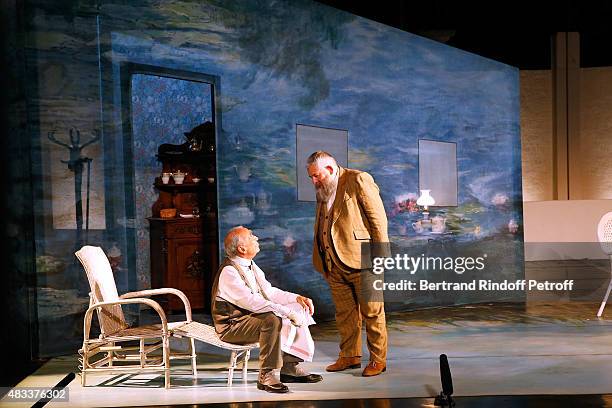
x,y
354,305
264,328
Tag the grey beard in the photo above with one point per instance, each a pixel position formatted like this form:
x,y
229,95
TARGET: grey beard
x,y
325,191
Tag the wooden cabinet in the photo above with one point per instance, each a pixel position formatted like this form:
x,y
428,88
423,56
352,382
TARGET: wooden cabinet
x,y
183,256
184,249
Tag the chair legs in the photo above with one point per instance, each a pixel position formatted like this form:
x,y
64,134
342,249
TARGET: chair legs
x,y
143,356
83,367
166,356
605,300
234,362
83,361
142,363
194,360
230,375
245,364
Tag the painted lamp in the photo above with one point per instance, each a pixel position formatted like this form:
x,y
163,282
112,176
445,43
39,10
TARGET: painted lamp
x,y
425,200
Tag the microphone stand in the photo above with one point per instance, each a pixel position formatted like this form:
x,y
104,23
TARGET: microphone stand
x,y
445,398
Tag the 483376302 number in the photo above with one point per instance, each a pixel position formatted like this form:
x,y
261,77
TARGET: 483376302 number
x,y
34,394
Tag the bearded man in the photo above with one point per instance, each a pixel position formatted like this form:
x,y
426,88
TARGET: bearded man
x,y
349,213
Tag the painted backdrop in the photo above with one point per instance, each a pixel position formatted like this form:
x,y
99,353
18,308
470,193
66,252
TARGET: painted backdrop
x,y
279,64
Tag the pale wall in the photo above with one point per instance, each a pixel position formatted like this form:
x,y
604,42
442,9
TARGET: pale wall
x,y
596,133
536,135
563,229
592,177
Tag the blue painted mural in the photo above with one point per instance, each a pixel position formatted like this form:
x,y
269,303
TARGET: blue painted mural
x,y
300,62
387,87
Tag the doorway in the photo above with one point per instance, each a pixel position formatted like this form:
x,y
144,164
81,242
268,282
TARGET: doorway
x,y
164,105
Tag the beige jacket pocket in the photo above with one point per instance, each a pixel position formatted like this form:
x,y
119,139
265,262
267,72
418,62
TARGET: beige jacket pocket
x,y
361,234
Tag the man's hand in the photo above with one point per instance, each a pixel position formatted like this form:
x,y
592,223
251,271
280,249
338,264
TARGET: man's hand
x,y
295,318
306,303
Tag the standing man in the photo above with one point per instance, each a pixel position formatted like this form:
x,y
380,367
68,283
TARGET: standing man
x,y
246,308
349,212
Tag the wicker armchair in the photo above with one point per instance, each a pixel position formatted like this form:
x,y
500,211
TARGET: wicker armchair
x,y
604,234
108,352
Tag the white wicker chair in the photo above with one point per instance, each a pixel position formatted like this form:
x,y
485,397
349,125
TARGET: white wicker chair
x,y
114,330
604,235
207,334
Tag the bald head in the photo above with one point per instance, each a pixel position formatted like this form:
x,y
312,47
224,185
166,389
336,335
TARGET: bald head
x,y
241,242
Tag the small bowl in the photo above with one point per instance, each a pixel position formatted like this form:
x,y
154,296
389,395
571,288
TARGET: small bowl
x,y
211,180
167,213
195,179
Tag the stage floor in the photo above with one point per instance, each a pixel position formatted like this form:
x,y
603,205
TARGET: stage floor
x,y
493,349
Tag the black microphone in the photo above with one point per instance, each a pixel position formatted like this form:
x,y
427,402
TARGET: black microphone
x,y
445,376
445,398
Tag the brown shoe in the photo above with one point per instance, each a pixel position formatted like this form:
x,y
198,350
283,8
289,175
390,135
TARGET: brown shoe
x,y
374,368
344,363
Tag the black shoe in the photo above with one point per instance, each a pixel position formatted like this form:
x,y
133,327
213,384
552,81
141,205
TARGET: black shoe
x,y
310,378
278,388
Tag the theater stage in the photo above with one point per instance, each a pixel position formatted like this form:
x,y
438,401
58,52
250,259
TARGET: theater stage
x,y
493,349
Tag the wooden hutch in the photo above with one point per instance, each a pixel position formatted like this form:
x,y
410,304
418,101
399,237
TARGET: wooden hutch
x,y
184,248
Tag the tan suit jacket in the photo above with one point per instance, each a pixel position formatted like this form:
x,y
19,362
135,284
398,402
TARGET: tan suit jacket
x,y
358,216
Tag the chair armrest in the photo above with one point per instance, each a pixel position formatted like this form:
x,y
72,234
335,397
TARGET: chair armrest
x,y
151,303
162,291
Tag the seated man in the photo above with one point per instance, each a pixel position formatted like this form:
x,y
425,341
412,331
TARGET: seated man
x,y
246,308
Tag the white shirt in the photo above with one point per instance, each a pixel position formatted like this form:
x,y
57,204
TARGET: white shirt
x,y
233,289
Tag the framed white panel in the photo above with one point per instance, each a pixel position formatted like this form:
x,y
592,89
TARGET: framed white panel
x,y
309,139
438,171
